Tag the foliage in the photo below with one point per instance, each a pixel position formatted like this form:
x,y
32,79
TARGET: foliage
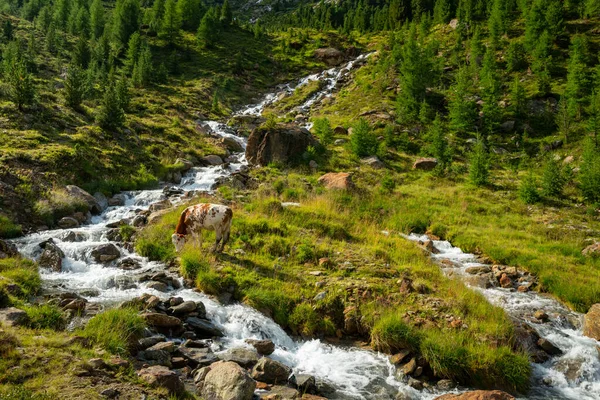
x,y
553,179
363,142
323,131
76,86
45,316
479,169
528,192
116,330
8,229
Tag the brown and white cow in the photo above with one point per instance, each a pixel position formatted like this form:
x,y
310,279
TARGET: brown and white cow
x,y
212,217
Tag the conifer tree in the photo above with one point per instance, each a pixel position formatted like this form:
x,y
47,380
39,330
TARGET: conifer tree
x,y
51,39
191,12
491,92
171,23
479,170
81,53
589,175
362,142
543,63
518,100
226,14
126,20
441,12
21,89
75,86
82,23
122,89
553,179
215,103
462,109
7,30
593,124
438,146
497,22
134,48
563,118
97,19
156,15
476,51
515,56
577,79
44,18
554,17
535,23
323,130
143,69
110,115
207,31
592,8
61,13
528,192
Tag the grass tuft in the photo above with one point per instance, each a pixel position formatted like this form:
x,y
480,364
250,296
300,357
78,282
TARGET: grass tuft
x,y
115,330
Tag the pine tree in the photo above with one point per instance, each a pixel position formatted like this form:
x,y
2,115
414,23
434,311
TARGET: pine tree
x,y
594,116
122,89
497,22
97,19
226,14
7,30
476,50
528,192
554,17
215,103
438,146
577,79
126,20
156,15
51,39
207,31
491,92
363,142
535,23
143,69
515,57
110,115
61,13
563,119
553,179
81,53
82,23
592,8
171,23
75,86
518,100
323,131
21,89
589,175
191,12
462,109
479,170
44,18
542,63
134,48
441,12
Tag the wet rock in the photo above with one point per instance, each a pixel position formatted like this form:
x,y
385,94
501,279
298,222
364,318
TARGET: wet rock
x,y
71,236
226,381
159,376
264,347
7,249
478,270
526,339
101,200
203,328
505,281
232,145
339,180
373,162
184,308
281,393
330,56
169,347
445,385
197,357
483,281
117,200
429,246
478,395
306,383
106,253
425,164
162,320
51,257
571,368
284,143
147,342
159,286
271,371
541,315
549,347
12,316
212,159
415,383
129,264
410,367
399,357
80,194
241,356
160,205
186,164
591,322
139,221
68,223
592,250
155,357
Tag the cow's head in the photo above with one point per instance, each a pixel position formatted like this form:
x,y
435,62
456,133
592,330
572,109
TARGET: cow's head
x,y
178,240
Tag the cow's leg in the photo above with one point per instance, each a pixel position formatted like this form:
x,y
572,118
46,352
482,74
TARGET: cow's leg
x,y
225,237
218,237
198,239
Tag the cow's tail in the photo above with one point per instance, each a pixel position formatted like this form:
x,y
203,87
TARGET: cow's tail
x,y
181,229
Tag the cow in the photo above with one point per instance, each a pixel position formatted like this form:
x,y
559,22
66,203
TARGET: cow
x,y
213,217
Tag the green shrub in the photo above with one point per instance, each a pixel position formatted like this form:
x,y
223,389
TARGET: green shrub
x,y
276,246
479,170
391,334
153,250
115,330
22,272
45,317
363,142
271,302
438,229
193,262
9,229
305,253
590,173
126,232
57,204
528,191
553,179
323,131
210,282
388,184
304,320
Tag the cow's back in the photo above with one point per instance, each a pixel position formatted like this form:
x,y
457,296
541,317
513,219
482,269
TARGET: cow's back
x,y
208,216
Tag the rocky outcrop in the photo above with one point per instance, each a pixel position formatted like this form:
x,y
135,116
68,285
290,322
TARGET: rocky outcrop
x,y
271,371
283,143
7,249
339,180
225,381
106,253
425,164
330,56
232,145
101,200
478,395
591,322
163,377
79,193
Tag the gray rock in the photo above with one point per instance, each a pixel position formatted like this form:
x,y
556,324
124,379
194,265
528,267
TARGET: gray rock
x,y
264,347
81,194
159,286
155,357
71,236
68,223
106,253
117,200
162,320
227,381
129,264
373,162
51,257
184,308
212,159
281,393
232,145
271,371
241,356
160,376
549,347
8,249
197,357
203,328
139,220
148,342
101,200
306,384
425,164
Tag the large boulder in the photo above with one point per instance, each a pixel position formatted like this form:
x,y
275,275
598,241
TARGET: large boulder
x,y
79,193
102,200
13,317
591,322
271,371
337,180
425,164
106,253
478,395
51,257
163,377
162,320
7,249
203,328
282,143
244,357
232,145
264,347
212,159
226,381
373,162
330,56
68,223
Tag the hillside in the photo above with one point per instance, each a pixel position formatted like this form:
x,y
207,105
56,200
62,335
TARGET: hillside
x,y
465,123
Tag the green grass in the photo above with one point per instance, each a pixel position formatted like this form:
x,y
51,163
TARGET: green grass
x,y
115,330
8,229
23,273
45,316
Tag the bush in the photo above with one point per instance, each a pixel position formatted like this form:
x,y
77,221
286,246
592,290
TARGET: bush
x,y
271,301
276,246
45,317
126,232
210,282
363,142
528,192
115,330
304,320
305,253
9,229
58,203
479,170
323,131
391,334
590,173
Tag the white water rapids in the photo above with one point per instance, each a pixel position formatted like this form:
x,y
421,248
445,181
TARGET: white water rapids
x,y
352,372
